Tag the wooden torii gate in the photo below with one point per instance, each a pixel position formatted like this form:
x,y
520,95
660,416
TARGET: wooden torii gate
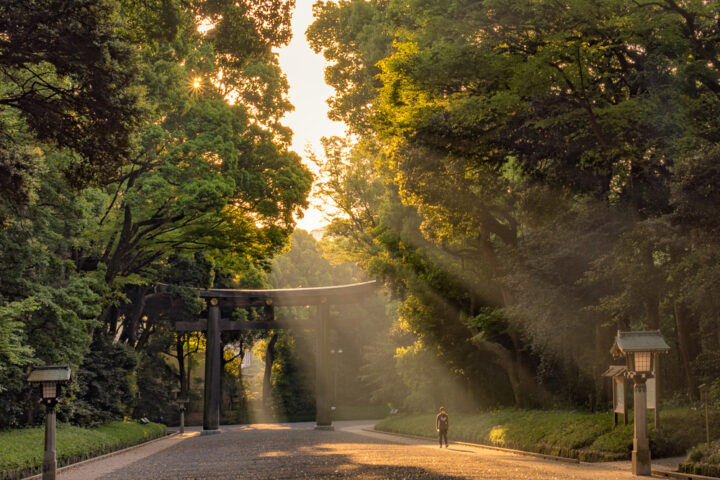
x,y
219,299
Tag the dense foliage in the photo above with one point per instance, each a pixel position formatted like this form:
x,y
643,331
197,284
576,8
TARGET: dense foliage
x,y
531,177
68,77
139,143
527,177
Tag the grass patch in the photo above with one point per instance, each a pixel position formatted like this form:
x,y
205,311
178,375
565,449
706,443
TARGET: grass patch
x,y
21,451
586,436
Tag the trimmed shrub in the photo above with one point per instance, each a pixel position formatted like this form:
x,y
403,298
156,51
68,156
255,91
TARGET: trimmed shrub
x,y
21,454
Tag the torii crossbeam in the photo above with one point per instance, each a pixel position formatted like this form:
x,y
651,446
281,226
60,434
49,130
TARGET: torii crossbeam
x,y
322,297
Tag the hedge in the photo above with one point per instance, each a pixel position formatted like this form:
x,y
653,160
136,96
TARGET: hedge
x,y
21,451
588,437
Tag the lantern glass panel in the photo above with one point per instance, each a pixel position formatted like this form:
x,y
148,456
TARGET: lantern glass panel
x,y
49,390
642,361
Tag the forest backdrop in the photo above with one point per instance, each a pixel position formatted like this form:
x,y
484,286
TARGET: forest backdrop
x,y
526,177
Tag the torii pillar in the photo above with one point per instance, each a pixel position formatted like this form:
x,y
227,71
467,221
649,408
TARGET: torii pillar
x,y
213,371
323,414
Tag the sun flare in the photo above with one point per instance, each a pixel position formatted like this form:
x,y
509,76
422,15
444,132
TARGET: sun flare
x,y
195,85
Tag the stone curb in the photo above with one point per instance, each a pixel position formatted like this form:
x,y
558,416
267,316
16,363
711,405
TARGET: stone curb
x,y
103,457
489,447
680,475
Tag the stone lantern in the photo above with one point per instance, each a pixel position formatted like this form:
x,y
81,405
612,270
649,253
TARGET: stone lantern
x,y
641,350
51,377
181,403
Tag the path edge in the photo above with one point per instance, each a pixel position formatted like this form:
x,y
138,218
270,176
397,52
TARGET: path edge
x,y
680,475
104,456
489,447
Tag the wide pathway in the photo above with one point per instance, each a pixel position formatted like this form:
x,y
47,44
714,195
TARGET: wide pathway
x,y
298,451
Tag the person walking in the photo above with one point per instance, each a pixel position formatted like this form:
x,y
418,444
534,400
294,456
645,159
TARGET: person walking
x,y
442,425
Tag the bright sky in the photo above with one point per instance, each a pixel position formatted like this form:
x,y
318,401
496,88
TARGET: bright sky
x,y
308,92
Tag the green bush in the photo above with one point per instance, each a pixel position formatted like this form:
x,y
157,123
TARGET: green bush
x,y
586,436
104,383
696,453
703,460
21,451
617,442
680,430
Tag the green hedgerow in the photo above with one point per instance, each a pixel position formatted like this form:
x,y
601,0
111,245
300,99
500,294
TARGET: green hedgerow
x,y
23,449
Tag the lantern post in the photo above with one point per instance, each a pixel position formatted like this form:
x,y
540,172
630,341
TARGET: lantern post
x,y
51,378
640,349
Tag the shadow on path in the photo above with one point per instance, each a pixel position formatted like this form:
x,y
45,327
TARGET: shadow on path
x,y
278,451
298,451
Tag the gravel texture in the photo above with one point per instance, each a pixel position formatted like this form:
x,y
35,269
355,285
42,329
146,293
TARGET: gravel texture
x,y
298,451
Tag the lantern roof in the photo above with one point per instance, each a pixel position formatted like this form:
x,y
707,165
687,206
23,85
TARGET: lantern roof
x,y
50,373
629,342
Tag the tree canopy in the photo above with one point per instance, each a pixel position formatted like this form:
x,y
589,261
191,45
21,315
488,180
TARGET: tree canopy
x,y
139,143
69,77
523,176
527,178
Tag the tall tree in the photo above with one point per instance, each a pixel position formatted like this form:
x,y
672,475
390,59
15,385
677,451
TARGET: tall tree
x,y
172,112
527,150
212,171
68,77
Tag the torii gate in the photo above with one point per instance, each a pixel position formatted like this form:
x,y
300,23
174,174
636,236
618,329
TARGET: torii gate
x,y
323,297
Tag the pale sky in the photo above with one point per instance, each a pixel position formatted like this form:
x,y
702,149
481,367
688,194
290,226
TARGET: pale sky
x,y
308,92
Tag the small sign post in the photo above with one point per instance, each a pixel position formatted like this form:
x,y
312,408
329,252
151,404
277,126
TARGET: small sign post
x,y
705,397
620,404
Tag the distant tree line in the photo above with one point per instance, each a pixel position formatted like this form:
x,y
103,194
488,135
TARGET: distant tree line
x,y
529,177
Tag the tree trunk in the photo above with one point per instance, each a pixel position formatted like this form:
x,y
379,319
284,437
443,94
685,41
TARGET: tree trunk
x,y
269,360
653,312
142,342
180,347
684,346
188,378
622,324
505,360
517,346
717,328
132,324
223,362
116,258
111,319
599,364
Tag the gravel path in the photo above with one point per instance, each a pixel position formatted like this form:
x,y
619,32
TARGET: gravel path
x,y
298,451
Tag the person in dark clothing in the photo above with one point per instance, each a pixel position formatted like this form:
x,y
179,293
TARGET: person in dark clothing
x,y
442,425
